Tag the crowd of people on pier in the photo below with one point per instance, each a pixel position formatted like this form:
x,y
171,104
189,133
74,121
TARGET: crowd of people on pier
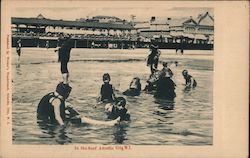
x,y
54,108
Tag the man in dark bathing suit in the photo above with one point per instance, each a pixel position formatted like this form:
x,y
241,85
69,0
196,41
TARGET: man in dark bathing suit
x,y
64,57
52,107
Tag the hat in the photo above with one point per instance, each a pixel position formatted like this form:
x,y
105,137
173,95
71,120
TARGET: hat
x,y
63,89
106,77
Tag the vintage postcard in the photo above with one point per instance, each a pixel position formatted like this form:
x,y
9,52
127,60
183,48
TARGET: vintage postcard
x,y
124,79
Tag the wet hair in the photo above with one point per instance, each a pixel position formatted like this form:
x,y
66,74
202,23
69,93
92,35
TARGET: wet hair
x,y
184,72
106,77
121,101
63,89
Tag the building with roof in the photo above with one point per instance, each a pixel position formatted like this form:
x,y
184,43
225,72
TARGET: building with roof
x,y
96,30
186,29
106,31
43,25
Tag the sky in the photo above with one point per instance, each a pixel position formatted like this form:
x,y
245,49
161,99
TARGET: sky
x,y
143,12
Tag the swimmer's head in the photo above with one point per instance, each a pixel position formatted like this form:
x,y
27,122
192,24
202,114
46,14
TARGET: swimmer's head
x,y
63,89
184,72
165,64
137,79
120,102
106,78
153,45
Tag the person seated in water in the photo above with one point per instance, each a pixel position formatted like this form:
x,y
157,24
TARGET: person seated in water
x,y
166,69
190,81
118,109
134,88
107,92
52,107
165,87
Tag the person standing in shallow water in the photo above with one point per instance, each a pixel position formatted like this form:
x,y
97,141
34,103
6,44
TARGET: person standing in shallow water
x,y
64,57
18,50
153,58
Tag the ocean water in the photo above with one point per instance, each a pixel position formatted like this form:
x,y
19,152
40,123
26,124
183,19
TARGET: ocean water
x,y
186,121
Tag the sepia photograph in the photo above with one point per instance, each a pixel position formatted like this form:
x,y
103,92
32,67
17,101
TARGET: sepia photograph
x,y
113,77
107,76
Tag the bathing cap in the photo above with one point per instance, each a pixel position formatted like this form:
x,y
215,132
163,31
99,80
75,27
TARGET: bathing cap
x,y
63,89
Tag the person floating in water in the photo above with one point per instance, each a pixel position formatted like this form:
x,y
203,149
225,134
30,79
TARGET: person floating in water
x,y
165,87
166,69
52,108
18,50
153,58
118,109
64,57
107,92
134,88
190,81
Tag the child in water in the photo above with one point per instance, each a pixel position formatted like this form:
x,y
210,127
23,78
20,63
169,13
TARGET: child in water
x,y
134,88
190,81
118,109
107,92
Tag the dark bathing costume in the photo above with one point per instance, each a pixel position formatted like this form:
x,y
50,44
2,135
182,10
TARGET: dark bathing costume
x,y
45,110
107,92
165,88
188,80
64,55
151,59
18,49
122,113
